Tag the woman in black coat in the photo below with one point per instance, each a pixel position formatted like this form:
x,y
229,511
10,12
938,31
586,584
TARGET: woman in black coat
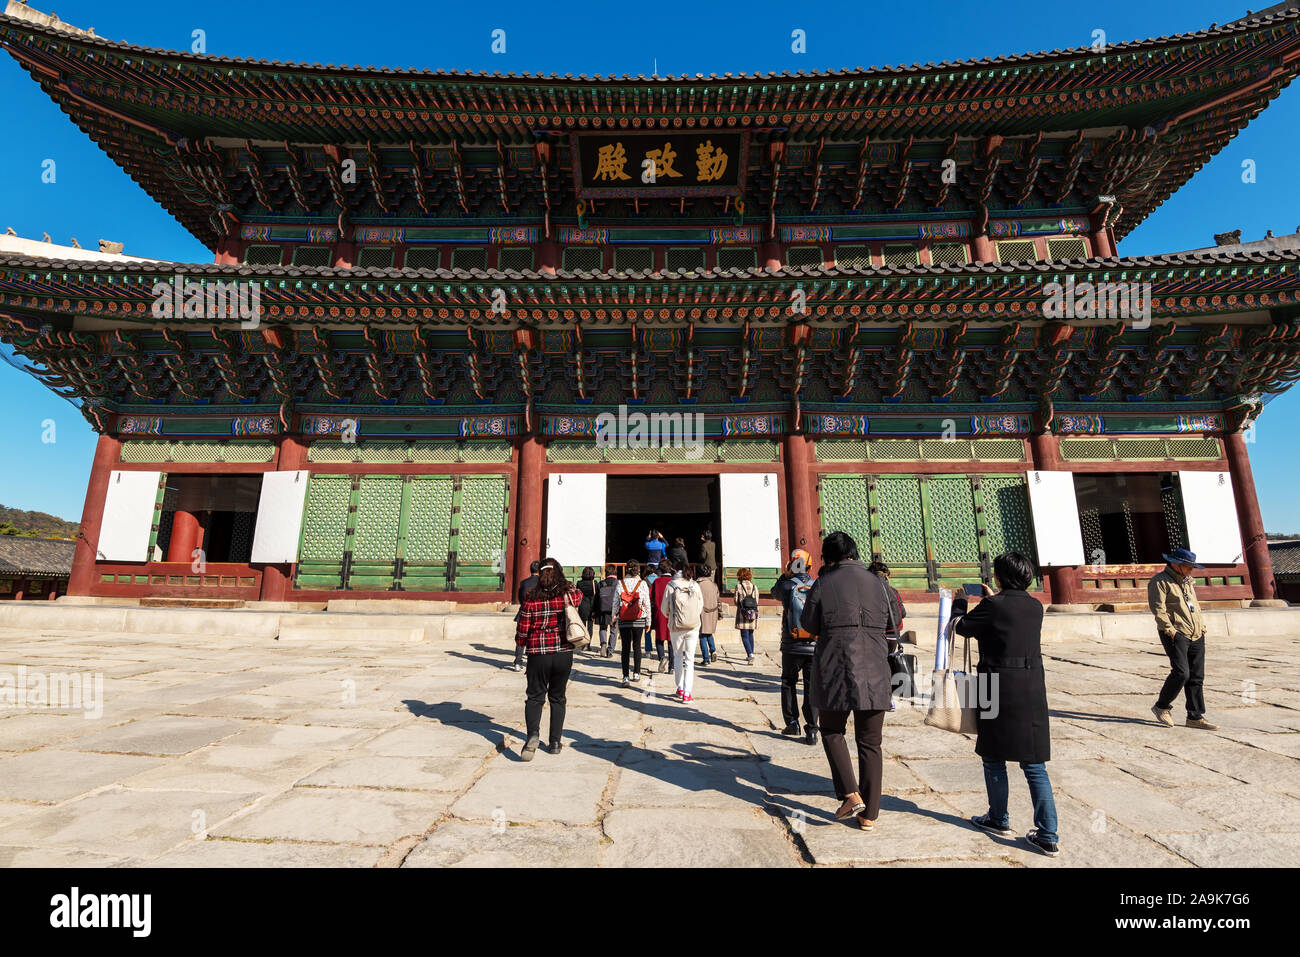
x,y
1013,723
848,610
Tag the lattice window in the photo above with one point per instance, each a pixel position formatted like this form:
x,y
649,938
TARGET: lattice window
x,y
952,519
705,451
423,257
1093,543
379,512
686,259
146,450
1070,248
325,521
737,257
895,450
845,507
428,523
901,255
486,450
472,257
948,254
946,450
263,255
583,258
382,453
1140,449
254,451
1016,251
841,450
432,452
749,450
1189,448
623,454
902,529
1087,450
1171,503
999,450
518,258
311,256
1007,520
633,259
804,256
241,537
573,451
375,257
482,519
853,257
330,451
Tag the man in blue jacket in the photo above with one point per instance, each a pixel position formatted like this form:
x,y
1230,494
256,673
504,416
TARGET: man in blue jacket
x,y
797,646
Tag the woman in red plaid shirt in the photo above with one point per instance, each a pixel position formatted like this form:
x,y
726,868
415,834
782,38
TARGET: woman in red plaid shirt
x,y
541,633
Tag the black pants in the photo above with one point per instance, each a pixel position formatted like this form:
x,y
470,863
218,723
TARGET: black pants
x,y
548,677
867,728
631,643
792,668
1187,661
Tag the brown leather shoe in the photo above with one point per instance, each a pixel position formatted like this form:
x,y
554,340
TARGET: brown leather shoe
x,y
852,805
1163,715
864,824
1202,724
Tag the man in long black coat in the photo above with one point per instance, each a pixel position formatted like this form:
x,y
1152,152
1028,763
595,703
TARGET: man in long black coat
x,y
1014,725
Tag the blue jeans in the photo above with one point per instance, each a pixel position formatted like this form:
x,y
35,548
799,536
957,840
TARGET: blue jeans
x,y
1040,792
747,639
707,649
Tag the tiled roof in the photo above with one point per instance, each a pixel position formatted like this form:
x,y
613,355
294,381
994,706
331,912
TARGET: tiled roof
x,y
35,557
1222,32
1286,559
1166,261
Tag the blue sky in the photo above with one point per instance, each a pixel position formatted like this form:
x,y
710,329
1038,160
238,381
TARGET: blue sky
x,y
93,199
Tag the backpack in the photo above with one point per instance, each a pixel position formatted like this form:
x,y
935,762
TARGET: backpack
x,y
687,606
749,604
630,610
794,611
605,595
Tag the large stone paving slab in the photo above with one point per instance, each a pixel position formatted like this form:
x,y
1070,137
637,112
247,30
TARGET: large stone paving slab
x,y
51,775
136,824
671,782
338,816
516,792
215,852
1235,849
165,734
463,844
398,773
695,837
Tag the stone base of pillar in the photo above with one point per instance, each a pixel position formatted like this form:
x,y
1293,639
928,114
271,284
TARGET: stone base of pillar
x,y
1268,603
1070,609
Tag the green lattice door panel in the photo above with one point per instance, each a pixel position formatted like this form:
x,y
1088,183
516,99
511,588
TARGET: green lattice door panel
x,y
377,523
846,506
427,532
952,529
480,533
326,531
899,523
1007,521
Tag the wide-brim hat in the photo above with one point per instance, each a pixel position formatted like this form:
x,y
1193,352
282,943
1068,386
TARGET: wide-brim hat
x,y
1181,556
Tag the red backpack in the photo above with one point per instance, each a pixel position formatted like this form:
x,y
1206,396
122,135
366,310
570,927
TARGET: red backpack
x,y
630,609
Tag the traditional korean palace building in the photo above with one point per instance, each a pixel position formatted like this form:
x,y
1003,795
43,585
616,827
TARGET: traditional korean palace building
x,y
890,298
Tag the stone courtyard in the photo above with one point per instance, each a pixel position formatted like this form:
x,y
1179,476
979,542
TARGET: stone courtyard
x,y
231,751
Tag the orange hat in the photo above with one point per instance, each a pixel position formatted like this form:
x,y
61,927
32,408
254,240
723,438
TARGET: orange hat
x,y
801,554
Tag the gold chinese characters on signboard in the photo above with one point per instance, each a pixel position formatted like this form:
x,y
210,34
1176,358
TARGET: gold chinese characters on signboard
x,y
663,164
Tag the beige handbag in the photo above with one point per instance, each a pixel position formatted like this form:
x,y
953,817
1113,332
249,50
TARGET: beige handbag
x,y
575,630
954,701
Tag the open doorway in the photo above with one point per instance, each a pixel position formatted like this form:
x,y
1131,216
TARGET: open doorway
x,y
678,506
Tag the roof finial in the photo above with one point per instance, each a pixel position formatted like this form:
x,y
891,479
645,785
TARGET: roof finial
x,y
656,68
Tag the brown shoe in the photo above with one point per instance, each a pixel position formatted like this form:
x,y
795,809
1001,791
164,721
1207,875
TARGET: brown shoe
x,y
864,824
852,805
1163,715
1202,724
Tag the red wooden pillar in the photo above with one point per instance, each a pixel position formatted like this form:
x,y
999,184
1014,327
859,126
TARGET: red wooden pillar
x,y
770,254
107,453
804,524
187,535
277,580
1103,244
1254,540
981,248
227,251
548,257
528,506
345,255
1062,581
